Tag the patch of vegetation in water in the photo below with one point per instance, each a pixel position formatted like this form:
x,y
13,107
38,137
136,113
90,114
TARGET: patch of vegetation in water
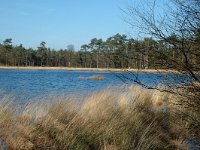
x,y
94,77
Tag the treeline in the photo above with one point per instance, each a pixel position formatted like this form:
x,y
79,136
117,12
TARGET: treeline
x,y
117,51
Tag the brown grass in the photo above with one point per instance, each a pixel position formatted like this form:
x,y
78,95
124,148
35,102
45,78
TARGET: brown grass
x,y
108,120
89,69
94,77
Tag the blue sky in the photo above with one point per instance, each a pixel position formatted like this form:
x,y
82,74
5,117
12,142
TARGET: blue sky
x,y
60,22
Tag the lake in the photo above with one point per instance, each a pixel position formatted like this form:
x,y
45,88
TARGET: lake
x,y
26,85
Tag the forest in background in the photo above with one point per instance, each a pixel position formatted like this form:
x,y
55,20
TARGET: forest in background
x,y
117,51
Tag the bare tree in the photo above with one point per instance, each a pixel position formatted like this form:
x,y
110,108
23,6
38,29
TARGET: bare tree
x,y
177,26
182,21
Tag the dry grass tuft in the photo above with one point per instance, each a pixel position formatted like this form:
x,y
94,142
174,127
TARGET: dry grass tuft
x,y
108,120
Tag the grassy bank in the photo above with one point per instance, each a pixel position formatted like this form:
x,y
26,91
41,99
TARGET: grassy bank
x,y
89,69
108,120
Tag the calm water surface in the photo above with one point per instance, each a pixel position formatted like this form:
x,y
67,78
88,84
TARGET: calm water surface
x,y
26,85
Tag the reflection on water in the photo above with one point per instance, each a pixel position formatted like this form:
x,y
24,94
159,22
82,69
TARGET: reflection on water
x,y
37,84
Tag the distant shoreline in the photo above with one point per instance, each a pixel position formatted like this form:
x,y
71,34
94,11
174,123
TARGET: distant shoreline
x,y
88,69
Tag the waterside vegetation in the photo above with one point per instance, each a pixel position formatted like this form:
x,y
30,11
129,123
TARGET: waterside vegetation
x,y
107,120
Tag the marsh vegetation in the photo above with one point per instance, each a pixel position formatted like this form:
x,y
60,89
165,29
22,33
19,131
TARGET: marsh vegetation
x,y
133,119
94,77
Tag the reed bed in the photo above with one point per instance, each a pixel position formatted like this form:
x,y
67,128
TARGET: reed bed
x,y
136,119
88,69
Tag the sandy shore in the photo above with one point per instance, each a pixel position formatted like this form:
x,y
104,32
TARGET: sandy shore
x,y
88,69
